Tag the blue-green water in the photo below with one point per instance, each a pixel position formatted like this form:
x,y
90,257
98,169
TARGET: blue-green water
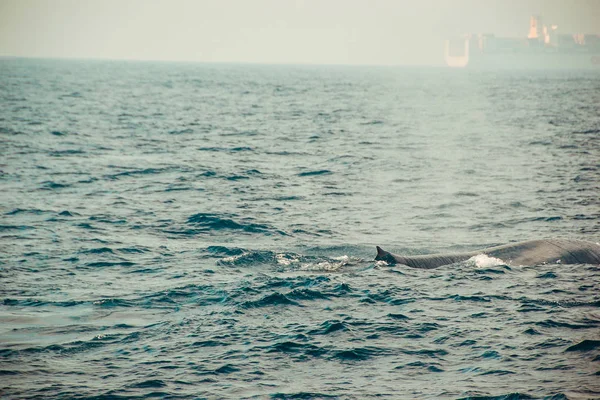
x,y
207,231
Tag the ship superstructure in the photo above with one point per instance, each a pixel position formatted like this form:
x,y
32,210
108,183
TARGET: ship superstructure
x,y
544,47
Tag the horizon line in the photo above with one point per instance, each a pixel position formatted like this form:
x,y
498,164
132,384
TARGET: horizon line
x,y
182,61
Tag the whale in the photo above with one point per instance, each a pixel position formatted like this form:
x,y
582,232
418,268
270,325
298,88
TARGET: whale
x,y
532,252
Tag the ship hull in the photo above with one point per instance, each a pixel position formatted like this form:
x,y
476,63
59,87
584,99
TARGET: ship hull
x,y
462,54
534,61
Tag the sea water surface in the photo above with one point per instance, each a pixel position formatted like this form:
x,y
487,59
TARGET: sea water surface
x,y
173,230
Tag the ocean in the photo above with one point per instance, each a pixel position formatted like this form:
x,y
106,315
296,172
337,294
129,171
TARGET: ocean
x,y
191,231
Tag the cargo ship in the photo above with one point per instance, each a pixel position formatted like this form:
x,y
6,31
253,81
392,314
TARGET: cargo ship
x,y
545,47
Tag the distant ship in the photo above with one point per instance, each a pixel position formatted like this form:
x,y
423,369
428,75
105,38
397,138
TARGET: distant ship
x,y
545,47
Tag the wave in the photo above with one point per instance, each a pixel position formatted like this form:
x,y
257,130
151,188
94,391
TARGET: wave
x,y
144,171
226,149
420,365
273,299
102,264
315,173
67,349
329,327
359,353
34,211
181,131
305,350
15,227
206,222
550,323
222,250
150,383
71,152
302,395
50,185
509,396
585,345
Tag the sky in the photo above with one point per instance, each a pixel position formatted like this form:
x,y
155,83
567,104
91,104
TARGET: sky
x,y
379,32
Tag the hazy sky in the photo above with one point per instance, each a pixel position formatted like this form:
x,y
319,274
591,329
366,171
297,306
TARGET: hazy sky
x,y
271,31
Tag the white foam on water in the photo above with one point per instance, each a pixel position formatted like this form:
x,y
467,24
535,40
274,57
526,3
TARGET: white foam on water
x,y
485,261
231,259
381,263
285,259
344,259
327,265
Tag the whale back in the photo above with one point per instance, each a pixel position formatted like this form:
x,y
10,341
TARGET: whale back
x,y
424,261
555,251
532,252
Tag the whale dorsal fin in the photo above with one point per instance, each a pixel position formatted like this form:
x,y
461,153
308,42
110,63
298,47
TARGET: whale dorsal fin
x,y
381,254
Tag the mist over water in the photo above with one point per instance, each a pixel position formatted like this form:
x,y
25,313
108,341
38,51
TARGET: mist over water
x,y
207,231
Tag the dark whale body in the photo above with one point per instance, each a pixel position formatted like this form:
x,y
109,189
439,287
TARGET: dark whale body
x,y
532,252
